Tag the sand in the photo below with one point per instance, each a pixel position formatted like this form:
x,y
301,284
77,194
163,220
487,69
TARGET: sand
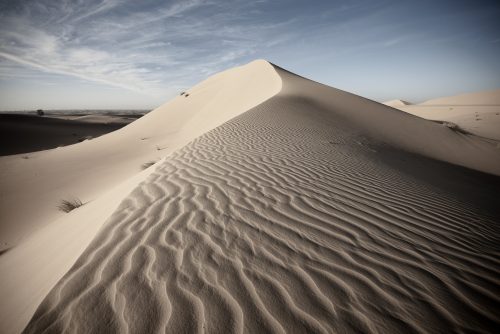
x,y
476,113
87,170
43,258
24,133
90,171
307,209
397,103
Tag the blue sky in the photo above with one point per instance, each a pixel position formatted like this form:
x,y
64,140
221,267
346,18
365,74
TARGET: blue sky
x,y
114,54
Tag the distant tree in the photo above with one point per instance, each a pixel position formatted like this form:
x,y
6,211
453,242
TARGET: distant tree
x,y
40,112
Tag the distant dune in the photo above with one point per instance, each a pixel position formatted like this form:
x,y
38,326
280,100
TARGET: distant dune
x,y
278,205
477,113
486,98
396,103
23,133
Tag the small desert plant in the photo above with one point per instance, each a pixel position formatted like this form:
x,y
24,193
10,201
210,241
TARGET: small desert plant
x,y
182,93
186,95
69,205
84,138
454,127
159,148
451,126
148,164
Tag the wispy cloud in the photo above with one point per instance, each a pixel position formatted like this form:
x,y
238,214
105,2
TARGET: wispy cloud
x,y
156,47
144,47
153,46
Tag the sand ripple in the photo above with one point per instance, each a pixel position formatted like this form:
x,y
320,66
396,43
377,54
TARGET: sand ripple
x,y
281,222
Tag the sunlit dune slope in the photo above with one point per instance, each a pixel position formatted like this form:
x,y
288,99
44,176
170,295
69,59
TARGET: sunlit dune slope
x,y
43,179
39,243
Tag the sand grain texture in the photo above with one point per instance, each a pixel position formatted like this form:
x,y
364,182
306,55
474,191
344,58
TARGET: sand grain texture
x,y
303,214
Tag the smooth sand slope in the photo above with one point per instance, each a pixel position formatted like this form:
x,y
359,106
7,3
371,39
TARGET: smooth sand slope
x,y
29,270
477,113
87,170
314,211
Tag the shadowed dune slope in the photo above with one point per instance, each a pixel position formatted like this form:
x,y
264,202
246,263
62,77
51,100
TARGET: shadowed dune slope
x,y
387,126
297,216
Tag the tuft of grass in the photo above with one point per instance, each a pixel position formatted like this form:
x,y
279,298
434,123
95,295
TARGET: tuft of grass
x,y
69,205
148,164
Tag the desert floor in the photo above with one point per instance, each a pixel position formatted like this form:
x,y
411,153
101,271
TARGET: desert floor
x,y
24,133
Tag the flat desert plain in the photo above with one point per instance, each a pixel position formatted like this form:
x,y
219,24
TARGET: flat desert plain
x,y
259,201
25,133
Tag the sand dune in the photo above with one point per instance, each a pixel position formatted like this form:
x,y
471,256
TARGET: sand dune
x,y
486,98
87,170
477,113
314,211
100,172
396,103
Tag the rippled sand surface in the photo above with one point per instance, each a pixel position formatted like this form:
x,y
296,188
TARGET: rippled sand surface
x,y
289,219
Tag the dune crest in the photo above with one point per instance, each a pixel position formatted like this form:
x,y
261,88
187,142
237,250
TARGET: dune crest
x,y
44,178
396,103
100,172
314,211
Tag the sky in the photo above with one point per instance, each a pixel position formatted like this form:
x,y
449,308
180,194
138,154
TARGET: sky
x,y
125,54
